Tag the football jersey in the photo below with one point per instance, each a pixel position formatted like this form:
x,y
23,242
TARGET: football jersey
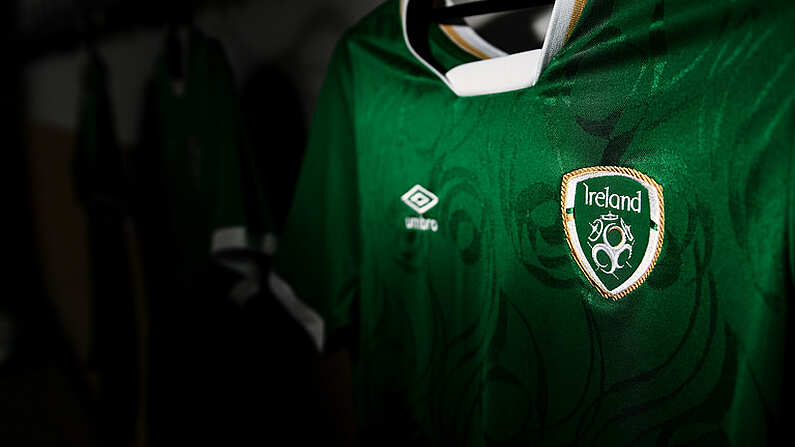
x,y
201,219
192,183
590,243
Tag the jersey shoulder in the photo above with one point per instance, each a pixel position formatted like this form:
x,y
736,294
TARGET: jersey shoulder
x,y
375,45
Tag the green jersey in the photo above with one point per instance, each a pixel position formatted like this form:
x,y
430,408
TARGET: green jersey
x,y
588,243
196,191
195,172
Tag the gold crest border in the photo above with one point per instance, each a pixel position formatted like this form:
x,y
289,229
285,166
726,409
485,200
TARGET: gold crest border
x,y
619,170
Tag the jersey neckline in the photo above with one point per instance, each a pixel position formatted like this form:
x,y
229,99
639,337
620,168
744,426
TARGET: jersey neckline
x,y
496,71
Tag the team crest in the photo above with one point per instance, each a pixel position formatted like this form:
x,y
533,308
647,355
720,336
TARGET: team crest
x,y
614,220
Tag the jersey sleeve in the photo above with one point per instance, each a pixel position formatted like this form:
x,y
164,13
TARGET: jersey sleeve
x,y
317,265
240,217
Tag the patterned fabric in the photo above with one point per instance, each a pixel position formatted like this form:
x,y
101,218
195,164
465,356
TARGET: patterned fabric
x,y
484,331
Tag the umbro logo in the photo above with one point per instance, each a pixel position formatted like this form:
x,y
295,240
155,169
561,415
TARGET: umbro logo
x,y
420,200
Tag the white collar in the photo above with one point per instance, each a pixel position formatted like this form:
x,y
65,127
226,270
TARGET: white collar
x,y
501,72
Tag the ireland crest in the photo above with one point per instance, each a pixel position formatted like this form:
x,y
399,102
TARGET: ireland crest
x,y
614,221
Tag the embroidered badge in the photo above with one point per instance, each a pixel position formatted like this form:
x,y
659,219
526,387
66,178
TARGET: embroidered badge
x,y
614,220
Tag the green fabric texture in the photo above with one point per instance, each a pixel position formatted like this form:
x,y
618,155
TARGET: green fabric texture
x,y
486,332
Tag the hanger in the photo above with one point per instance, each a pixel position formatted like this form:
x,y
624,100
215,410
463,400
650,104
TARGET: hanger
x,y
89,27
174,53
451,15
179,16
